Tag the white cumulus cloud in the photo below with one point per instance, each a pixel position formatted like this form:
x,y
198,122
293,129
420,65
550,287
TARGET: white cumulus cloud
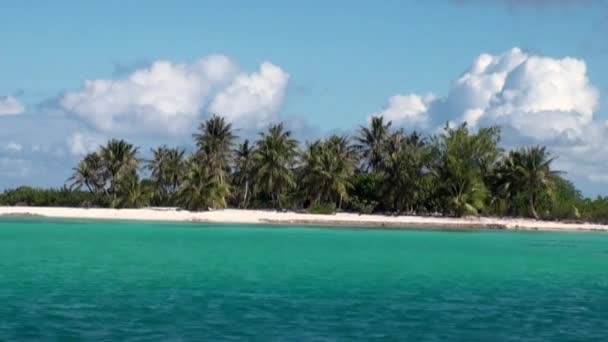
x,y
14,146
253,98
539,97
534,98
544,97
165,97
408,109
170,98
10,106
79,143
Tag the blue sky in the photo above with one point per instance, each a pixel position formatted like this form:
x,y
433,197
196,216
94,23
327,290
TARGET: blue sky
x,y
337,63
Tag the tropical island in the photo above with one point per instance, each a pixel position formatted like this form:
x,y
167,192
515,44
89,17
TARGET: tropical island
x,y
381,176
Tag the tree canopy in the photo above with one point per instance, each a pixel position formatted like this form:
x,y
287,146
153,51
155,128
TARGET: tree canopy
x,y
382,169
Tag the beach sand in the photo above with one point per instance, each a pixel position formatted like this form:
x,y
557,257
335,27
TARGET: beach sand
x,y
291,218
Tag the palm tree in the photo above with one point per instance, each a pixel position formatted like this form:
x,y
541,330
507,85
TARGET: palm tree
x,y
405,159
120,160
459,169
274,159
214,141
131,193
243,173
528,172
327,170
371,140
89,173
167,168
201,190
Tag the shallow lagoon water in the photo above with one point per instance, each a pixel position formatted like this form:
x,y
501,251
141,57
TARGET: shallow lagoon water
x,y
77,280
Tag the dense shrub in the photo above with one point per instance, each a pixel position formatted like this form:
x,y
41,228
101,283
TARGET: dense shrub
x,y
322,208
63,197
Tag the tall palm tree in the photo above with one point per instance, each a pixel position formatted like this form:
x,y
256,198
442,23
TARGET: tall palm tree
x,y
243,173
274,159
214,141
459,170
167,168
371,140
120,160
403,166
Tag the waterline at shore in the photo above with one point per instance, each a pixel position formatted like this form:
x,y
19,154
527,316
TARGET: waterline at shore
x,y
292,218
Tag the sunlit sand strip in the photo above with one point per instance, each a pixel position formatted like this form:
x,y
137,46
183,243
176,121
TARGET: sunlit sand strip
x,y
292,218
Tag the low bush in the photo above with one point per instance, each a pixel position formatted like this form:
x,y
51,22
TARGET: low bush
x,y
322,208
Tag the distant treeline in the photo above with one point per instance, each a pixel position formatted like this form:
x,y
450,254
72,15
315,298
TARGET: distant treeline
x,y
380,170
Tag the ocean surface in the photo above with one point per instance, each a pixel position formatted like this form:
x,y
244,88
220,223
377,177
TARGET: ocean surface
x,y
75,280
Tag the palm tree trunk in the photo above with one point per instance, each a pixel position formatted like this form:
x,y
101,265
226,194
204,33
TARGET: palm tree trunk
x,y
89,187
532,207
275,200
244,203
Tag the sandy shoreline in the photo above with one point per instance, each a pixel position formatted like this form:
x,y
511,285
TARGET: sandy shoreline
x,y
291,218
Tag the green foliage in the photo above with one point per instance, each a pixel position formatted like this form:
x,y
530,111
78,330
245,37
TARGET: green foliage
x,y
327,170
167,169
370,142
595,210
526,175
118,160
243,176
366,193
322,208
275,158
563,202
202,189
62,197
405,161
462,161
91,173
363,206
131,193
385,170
215,141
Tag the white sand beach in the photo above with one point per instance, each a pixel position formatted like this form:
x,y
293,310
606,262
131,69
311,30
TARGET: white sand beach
x,y
292,218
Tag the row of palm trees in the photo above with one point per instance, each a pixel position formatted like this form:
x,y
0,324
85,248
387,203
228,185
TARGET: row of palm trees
x,y
381,169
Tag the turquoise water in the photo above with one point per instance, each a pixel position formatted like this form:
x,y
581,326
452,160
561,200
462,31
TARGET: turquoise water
x,y
153,281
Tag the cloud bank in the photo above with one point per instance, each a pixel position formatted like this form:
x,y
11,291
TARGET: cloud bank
x,y
10,106
535,99
253,99
169,98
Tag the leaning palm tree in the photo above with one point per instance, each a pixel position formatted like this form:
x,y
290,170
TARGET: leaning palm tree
x,y
89,173
214,141
274,159
167,169
531,175
243,171
371,141
120,160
